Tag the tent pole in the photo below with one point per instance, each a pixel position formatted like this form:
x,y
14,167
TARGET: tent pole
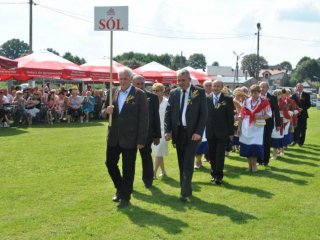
x,y
110,88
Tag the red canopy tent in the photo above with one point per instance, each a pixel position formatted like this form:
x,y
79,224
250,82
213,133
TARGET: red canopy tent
x,y
99,69
156,72
7,63
198,77
44,64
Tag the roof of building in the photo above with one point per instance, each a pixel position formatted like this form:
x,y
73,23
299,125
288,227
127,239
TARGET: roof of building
x,y
224,71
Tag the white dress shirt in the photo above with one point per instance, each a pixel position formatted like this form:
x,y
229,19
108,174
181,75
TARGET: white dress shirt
x,y
184,121
122,96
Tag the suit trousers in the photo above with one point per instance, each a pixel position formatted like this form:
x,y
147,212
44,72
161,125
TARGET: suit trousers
x,y
147,164
300,130
266,144
123,184
217,147
186,149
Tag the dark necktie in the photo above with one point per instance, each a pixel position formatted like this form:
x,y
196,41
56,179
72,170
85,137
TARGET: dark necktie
x,y
182,106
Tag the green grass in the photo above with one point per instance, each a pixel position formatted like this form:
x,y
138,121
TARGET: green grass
x,y
54,185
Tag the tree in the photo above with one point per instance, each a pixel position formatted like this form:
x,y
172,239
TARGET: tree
x,y
215,63
14,48
178,62
53,51
133,63
74,59
249,63
197,60
307,70
286,65
305,58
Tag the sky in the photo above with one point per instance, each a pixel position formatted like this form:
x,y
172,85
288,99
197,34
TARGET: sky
x,y
290,29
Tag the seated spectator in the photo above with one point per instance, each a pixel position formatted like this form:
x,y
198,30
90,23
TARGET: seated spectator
x,y
4,120
88,105
51,106
61,106
74,105
33,106
20,113
97,105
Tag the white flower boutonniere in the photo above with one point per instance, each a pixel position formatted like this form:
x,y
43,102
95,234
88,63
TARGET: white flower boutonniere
x,y
223,103
192,96
129,99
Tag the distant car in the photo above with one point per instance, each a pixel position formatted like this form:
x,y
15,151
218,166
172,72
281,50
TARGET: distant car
x,y
313,102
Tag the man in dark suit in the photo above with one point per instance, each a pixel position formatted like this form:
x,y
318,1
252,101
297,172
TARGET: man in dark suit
x,y
302,100
270,122
154,133
128,133
185,120
219,129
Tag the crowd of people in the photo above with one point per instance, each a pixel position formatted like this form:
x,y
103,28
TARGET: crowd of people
x,y
204,120
22,107
207,120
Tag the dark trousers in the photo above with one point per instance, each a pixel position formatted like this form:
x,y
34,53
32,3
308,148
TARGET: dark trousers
x,y
186,149
123,184
147,164
300,130
266,144
217,147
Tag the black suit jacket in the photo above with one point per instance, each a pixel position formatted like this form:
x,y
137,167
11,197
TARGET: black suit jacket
x,y
130,127
196,113
220,122
154,117
275,119
304,103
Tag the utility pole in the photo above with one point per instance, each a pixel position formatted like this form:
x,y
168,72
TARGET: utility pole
x,y
258,46
237,69
30,24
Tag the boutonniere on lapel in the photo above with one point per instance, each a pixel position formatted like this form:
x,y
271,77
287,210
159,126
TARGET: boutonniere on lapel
x,y
223,103
192,96
148,99
129,99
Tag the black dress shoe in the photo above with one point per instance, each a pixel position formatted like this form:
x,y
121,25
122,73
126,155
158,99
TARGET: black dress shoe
x,y
116,197
148,185
123,203
217,181
293,144
183,198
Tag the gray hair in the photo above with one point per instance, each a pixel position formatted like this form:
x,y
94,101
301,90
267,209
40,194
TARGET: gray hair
x,y
264,83
207,82
127,71
183,72
135,77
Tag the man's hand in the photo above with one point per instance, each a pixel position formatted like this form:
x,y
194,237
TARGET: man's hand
x,y
168,136
196,137
110,109
140,146
156,141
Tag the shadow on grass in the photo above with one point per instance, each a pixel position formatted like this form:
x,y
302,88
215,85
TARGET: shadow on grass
x,y
245,189
302,157
312,147
143,218
237,171
300,150
290,171
295,161
6,132
158,197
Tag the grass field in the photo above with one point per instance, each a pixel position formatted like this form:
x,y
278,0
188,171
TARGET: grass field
x,y
54,185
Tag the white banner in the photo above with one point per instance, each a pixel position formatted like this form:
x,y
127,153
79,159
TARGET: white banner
x,y
111,18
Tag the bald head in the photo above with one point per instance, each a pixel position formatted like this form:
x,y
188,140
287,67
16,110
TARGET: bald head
x,y
264,87
217,86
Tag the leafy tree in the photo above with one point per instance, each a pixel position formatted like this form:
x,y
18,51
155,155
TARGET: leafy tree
x,y
286,65
307,70
305,58
165,59
249,63
14,48
178,62
74,59
197,60
215,63
132,63
53,51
